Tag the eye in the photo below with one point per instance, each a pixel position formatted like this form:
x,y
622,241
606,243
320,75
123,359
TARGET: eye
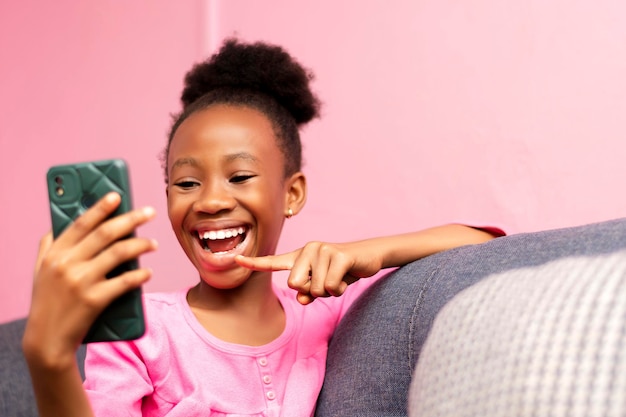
x,y
236,179
186,185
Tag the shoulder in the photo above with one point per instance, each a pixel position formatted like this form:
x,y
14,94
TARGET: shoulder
x,y
160,302
163,311
163,315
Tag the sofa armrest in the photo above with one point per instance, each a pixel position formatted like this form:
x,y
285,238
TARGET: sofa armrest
x,y
548,340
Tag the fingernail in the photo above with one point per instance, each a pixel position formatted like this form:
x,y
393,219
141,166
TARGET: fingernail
x,y
111,197
149,211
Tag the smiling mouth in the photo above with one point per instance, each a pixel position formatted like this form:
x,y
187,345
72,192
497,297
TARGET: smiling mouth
x,y
222,241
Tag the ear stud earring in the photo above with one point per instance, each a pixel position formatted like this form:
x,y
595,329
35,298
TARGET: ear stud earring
x,y
289,213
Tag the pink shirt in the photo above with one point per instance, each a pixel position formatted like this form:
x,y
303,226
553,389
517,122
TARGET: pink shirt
x,y
179,369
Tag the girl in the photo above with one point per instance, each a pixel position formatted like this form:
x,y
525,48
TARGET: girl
x,y
234,344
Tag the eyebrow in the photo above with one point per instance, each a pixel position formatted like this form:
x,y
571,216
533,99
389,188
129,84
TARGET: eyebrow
x,y
185,161
241,155
229,158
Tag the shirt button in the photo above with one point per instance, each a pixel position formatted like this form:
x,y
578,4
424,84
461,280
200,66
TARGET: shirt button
x,y
263,361
267,379
270,395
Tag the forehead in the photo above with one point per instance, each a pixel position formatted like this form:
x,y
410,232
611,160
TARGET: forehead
x,y
224,128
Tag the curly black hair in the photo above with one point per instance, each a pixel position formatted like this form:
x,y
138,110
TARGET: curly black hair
x,y
260,76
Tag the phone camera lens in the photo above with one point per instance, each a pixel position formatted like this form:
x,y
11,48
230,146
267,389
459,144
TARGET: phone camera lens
x,y
89,200
58,180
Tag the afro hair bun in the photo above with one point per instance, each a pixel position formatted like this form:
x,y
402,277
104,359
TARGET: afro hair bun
x,y
257,67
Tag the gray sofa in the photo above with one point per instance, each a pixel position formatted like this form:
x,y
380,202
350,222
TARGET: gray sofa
x,y
525,325
490,330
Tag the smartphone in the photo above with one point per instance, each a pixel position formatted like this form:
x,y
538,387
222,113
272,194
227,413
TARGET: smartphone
x,y
72,189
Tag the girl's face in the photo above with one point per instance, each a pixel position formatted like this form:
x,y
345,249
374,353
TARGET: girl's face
x,y
227,193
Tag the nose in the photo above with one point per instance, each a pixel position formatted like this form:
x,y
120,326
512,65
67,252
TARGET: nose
x,y
215,197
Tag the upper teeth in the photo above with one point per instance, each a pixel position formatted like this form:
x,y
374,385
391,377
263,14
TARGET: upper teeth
x,y
222,234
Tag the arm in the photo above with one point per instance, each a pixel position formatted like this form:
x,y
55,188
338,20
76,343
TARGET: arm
x,y
324,269
69,291
398,250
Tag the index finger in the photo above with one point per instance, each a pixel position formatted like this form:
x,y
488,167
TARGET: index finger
x,y
268,263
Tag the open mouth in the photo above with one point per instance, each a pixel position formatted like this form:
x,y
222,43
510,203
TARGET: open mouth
x,y
222,241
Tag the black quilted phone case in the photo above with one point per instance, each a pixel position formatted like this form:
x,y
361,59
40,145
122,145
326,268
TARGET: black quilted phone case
x,y
72,189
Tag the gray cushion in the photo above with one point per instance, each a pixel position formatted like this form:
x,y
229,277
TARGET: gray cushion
x,y
548,340
375,348
16,393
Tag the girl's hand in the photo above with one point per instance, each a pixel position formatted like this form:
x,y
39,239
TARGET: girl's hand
x,y
321,269
325,269
70,288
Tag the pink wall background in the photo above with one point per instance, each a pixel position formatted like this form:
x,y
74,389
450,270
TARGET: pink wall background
x,y
79,81
501,112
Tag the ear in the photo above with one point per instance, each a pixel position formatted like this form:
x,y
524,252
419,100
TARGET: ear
x,y
295,192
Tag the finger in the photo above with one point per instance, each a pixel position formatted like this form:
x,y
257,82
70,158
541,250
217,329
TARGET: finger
x,y
44,245
118,253
304,299
306,264
335,283
269,263
299,277
105,292
320,267
113,230
89,220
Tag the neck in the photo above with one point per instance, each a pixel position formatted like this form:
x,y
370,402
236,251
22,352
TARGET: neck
x,y
250,314
256,294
